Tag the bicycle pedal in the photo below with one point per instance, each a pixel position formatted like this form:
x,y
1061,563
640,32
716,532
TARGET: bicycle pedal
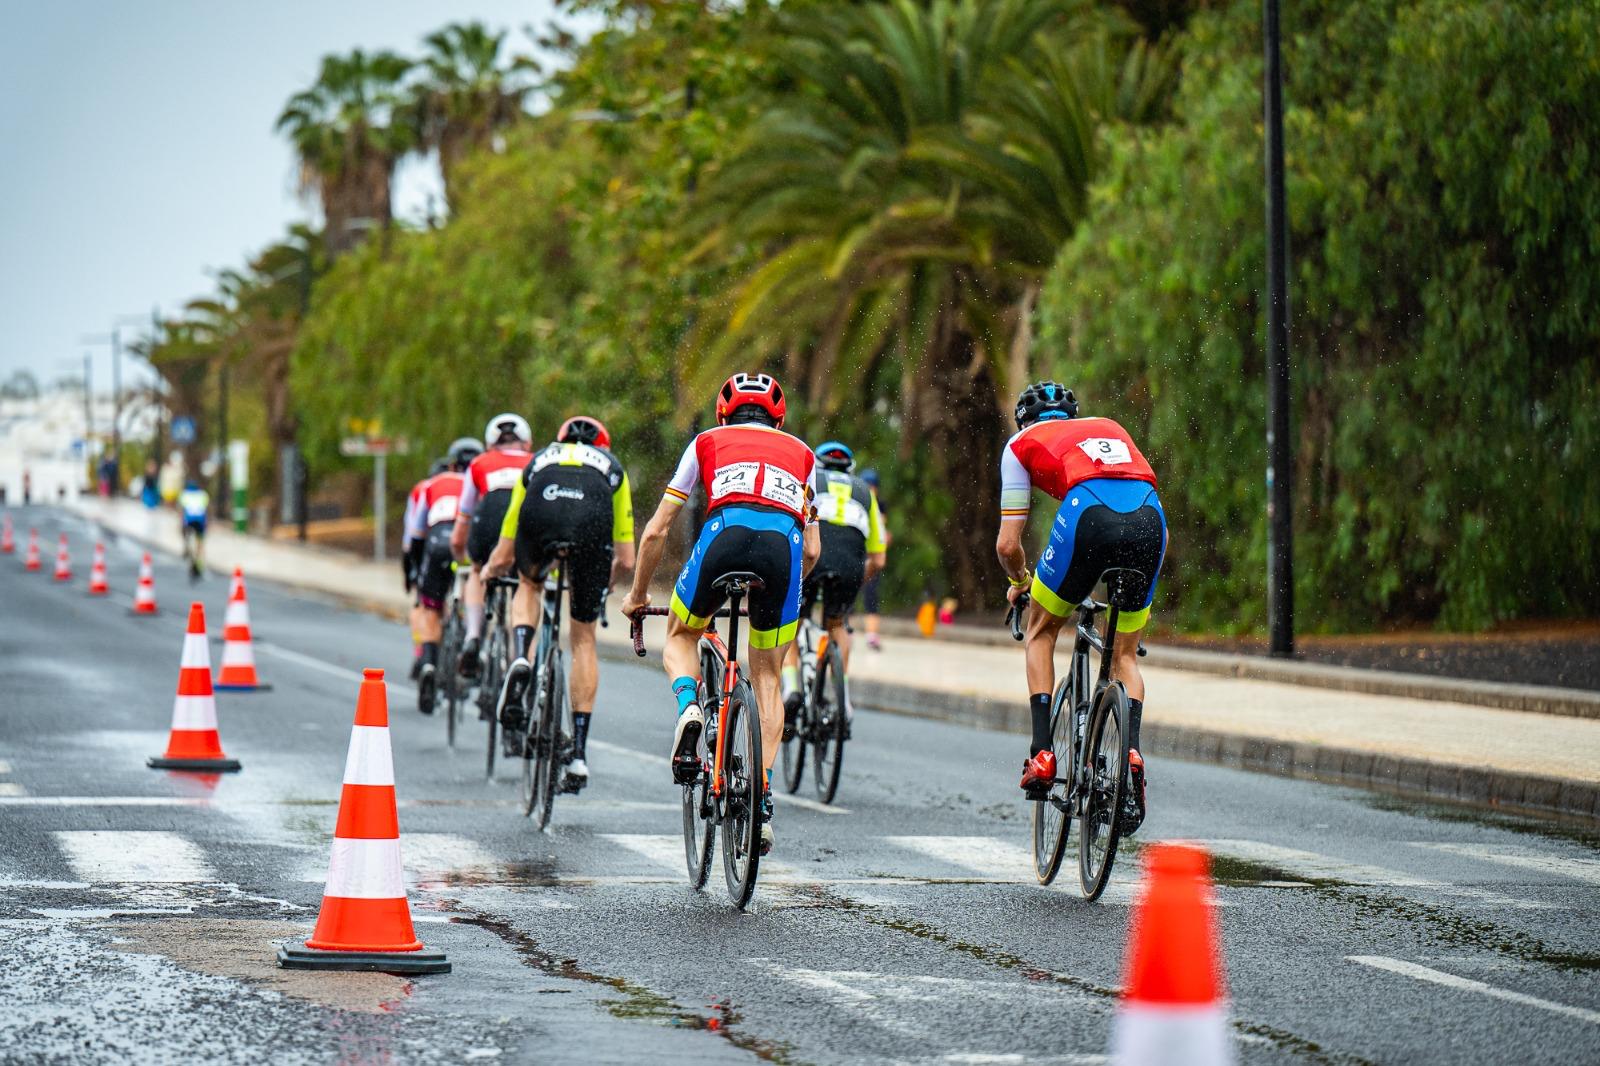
x,y
685,771
1036,794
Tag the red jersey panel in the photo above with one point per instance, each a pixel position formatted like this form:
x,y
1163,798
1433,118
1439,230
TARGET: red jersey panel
x,y
495,470
439,497
748,464
1061,452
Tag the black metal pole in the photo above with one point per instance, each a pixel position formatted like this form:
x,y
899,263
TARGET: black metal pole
x,y
1280,456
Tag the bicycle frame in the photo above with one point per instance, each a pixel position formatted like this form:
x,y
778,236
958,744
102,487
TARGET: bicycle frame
x,y
730,679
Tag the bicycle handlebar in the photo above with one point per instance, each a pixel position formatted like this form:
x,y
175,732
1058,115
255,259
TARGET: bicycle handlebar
x,y
1014,616
637,632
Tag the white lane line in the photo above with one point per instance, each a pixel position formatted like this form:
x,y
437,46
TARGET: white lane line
x,y
5,766
1467,984
99,855
1326,867
12,790
661,760
433,855
311,662
1587,870
104,801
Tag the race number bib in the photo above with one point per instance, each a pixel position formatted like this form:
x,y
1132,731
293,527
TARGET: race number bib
x,y
503,478
443,510
1107,450
783,488
733,478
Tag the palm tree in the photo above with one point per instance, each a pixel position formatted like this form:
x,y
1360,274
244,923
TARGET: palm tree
x,y
464,95
344,132
906,193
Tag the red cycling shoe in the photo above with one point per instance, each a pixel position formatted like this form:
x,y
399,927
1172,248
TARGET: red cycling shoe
x,y
1039,772
1133,804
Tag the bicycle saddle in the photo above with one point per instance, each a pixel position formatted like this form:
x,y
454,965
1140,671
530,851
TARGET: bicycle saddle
x,y
1119,580
738,581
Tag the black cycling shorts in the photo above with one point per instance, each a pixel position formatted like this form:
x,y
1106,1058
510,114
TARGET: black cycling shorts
x,y
433,572
1103,525
584,525
484,533
836,579
757,540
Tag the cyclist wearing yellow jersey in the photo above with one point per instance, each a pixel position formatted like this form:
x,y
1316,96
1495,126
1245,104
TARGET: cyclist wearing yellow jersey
x,y
574,492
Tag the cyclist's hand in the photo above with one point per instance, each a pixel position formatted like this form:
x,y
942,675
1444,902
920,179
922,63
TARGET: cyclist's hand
x,y
1016,592
632,605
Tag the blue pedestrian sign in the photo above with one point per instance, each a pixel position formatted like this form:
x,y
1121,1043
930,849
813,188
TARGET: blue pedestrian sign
x,y
183,430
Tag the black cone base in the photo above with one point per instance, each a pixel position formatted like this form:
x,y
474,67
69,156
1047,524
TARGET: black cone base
x,y
157,762
260,686
298,957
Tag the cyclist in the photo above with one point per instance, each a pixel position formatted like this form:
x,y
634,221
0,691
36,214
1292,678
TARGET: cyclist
x,y
869,591
1109,516
411,558
854,548
574,492
194,504
759,518
485,494
430,523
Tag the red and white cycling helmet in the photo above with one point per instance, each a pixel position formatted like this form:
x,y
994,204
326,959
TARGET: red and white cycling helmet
x,y
751,390
581,429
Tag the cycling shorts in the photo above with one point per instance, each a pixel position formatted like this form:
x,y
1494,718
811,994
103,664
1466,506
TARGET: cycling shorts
x,y
1103,523
197,526
836,579
585,526
434,573
484,532
760,540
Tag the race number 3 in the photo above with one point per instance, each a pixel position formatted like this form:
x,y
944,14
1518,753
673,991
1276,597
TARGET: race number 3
x,y
783,488
1107,450
735,477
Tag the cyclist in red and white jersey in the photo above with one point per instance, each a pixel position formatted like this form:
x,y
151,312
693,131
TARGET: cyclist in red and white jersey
x,y
759,518
411,558
485,495
429,524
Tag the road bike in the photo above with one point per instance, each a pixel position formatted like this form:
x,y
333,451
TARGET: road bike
x,y
820,727
452,686
725,786
547,719
1089,734
495,657
194,550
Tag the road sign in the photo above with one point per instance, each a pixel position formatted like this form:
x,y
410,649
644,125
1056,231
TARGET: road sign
x,y
374,446
183,431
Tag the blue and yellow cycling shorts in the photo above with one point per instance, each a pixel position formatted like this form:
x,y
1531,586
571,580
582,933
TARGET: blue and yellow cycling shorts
x,y
761,541
1103,523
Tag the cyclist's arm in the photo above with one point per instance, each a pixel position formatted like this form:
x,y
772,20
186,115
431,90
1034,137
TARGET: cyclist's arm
x,y
1016,496
504,555
622,553
810,547
653,541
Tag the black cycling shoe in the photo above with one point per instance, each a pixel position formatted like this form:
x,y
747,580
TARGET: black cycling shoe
x,y
468,665
416,667
1133,808
767,838
427,689
511,693
791,714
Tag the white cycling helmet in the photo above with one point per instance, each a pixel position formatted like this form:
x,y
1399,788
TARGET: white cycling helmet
x,y
507,427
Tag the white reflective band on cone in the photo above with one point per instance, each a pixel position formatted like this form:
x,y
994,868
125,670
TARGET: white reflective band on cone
x,y
237,653
369,761
238,614
1143,1035
365,869
194,712
195,652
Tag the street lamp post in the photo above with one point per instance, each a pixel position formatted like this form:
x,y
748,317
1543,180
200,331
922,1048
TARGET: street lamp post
x,y
1280,457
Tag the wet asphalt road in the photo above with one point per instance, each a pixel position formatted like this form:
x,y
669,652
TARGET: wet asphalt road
x,y
139,909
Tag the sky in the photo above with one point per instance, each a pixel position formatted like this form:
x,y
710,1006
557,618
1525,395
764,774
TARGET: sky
x,y
137,154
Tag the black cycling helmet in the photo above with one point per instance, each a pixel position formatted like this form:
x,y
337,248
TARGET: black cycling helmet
x,y
836,455
438,466
463,450
1045,399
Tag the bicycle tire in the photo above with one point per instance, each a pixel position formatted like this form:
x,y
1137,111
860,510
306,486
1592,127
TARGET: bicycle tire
x,y
450,683
1106,764
529,789
742,788
793,750
699,806
494,675
828,721
550,737
1052,816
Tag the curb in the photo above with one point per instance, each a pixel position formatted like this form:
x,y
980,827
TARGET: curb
x,y
1534,699
1474,786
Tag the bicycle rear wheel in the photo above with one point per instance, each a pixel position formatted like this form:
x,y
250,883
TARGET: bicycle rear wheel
x,y
1052,816
529,787
742,788
793,750
827,721
1105,770
449,676
492,670
552,757
699,805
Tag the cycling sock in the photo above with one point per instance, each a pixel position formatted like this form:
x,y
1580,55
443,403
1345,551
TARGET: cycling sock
x,y
430,653
683,688
580,733
790,680
474,621
523,636
1039,709
1135,712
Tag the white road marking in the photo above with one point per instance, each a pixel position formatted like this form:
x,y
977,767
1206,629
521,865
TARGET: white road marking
x,y
667,851
11,789
99,855
1467,984
5,766
332,669
1587,870
1003,861
104,801
431,855
1326,867
661,760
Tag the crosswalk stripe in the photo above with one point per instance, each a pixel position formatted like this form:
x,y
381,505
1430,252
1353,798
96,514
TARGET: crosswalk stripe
x,y
139,855
667,851
1587,870
434,854
1003,860
11,789
661,760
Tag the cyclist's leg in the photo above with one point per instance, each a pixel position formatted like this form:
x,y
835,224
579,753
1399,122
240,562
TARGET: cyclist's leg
x,y
1143,548
588,574
472,611
789,674
775,554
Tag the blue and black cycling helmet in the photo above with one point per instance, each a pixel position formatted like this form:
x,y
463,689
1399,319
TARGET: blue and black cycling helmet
x,y
836,455
870,476
438,466
1043,400
463,450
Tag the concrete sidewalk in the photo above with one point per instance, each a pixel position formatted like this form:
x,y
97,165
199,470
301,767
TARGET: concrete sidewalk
x,y
1427,748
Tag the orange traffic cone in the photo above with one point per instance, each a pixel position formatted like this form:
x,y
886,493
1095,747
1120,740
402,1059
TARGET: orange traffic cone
x,y
63,560
194,743
30,562
144,597
365,922
238,660
8,539
1172,1008
98,585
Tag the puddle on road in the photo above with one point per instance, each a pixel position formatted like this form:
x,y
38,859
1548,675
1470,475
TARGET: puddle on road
x,y
636,1002
1552,828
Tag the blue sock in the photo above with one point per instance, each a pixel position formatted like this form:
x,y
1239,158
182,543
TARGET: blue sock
x,y
683,688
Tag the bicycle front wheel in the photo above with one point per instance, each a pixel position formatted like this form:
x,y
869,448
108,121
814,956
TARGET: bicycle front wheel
x,y
1104,782
828,722
1052,816
492,670
449,676
552,763
530,789
742,792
